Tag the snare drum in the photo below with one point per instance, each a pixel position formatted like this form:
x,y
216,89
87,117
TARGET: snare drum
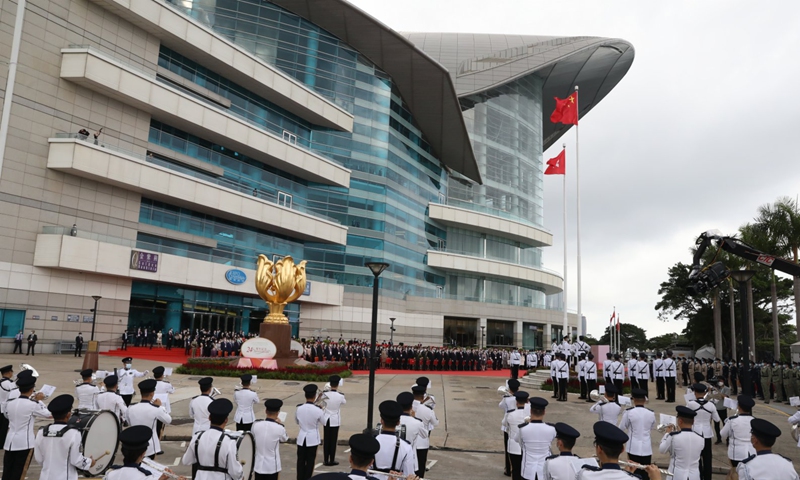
x,y
99,434
245,451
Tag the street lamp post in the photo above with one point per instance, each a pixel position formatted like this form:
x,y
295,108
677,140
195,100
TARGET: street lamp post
x,y
376,268
391,331
90,360
742,277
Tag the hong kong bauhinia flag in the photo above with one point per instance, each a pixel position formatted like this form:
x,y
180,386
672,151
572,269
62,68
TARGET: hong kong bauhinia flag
x,y
566,110
557,165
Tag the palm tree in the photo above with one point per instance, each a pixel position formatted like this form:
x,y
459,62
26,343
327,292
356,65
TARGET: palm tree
x,y
783,218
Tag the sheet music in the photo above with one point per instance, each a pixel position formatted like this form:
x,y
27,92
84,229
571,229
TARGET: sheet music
x,y
667,419
602,389
624,400
253,380
731,403
282,417
167,371
101,374
794,401
47,390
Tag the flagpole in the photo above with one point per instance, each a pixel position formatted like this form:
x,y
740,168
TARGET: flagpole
x,y
578,217
619,348
566,321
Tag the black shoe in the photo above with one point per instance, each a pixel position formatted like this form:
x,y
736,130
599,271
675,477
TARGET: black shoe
x,y
507,474
333,463
718,442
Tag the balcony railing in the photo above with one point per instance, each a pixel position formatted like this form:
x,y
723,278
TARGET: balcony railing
x,y
495,258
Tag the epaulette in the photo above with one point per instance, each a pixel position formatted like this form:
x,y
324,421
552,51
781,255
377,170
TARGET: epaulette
x,y
197,396
523,425
417,419
675,432
748,459
552,457
300,405
784,457
591,468
144,471
731,418
698,434
403,439
648,409
630,408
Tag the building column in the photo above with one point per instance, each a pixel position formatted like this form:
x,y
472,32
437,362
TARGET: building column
x,y
548,337
518,333
482,331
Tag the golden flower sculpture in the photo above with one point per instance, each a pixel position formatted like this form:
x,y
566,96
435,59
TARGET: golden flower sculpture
x,y
279,283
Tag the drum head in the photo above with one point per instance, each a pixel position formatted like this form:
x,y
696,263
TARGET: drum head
x,y
100,435
246,453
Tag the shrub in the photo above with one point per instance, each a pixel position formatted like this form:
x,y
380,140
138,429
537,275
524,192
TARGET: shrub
x,y
222,367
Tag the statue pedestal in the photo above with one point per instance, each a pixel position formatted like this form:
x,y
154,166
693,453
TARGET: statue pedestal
x,y
281,335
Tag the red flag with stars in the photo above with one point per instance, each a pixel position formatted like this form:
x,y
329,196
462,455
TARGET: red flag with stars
x,y
557,165
566,111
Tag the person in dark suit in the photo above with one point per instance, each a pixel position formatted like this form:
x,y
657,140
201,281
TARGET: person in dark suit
x,y
32,339
78,344
125,340
18,342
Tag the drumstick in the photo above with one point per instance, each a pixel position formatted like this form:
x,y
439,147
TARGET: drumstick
x,y
103,455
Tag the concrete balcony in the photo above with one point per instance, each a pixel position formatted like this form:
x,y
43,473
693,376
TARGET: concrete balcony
x,y
131,172
490,224
195,40
100,256
549,282
115,79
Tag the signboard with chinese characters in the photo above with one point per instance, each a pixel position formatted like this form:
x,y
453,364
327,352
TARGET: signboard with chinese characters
x,y
73,318
87,319
144,261
307,291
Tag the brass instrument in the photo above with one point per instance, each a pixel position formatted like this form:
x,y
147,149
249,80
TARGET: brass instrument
x,y
321,400
214,392
595,396
639,466
503,390
662,428
80,382
25,366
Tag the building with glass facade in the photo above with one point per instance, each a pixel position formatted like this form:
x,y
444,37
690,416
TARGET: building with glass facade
x,y
233,128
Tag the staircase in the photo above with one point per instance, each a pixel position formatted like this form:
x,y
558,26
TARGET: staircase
x,y
534,380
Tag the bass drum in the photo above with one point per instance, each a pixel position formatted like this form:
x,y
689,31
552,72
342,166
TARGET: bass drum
x,y
99,434
245,452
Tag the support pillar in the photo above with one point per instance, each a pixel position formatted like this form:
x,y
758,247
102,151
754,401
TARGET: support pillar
x,y
281,335
518,333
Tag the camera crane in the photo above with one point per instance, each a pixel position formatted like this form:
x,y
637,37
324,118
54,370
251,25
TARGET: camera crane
x,y
706,278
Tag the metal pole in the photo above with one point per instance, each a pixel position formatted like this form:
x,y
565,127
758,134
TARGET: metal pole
x,y
94,317
578,216
11,80
747,385
373,335
566,319
391,332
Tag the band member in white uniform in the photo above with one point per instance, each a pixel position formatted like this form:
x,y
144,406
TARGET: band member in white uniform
x,y
562,374
6,387
245,400
639,421
332,420
512,423
514,361
706,412
148,412
430,400
309,417
737,430
20,412
111,401
198,407
658,373
632,362
607,369
609,443
415,428
591,375
86,392
268,435
670,376
563,465
683,445
134,442
643,372
508,404
395,454
58,446
163,389
607,408
617,373
795,420
429,421
535,439
212,450
125,379
363,448
581,368
765,464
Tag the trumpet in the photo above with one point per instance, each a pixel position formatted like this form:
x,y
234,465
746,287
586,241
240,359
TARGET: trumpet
x,y
321,400
214,392
662,428
639,466
79,382
595,396
503,390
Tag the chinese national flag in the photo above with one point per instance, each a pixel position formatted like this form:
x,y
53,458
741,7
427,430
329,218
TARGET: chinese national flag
x,y
618,322
566,111
613,316
557,165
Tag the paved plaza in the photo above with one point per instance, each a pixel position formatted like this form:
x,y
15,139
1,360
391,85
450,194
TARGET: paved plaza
x,y
467,443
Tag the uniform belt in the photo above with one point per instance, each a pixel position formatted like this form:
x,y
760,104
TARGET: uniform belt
x,y
212,469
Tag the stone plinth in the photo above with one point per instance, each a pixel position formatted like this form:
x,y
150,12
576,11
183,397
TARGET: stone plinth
x,y
281,335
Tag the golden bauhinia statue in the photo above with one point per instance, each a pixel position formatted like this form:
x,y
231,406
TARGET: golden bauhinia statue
x,y
279,283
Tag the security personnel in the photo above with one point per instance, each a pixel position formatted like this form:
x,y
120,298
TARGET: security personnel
x,y
126,376
58,446
87,392
512,423
639,421
658,373
332,420
590,369
245,399
268,435
609,444
564,465
706,412
148,412
515,360
670,376
198,407
395,453
309,417
582,377
765,464
19,441
607,408
632,371
212,450
6,386
415,428
607,368
163,389
777,382
429,421
535,438
737,428
562,374
134,442
683,445
766,377
111,401
643,372
788,381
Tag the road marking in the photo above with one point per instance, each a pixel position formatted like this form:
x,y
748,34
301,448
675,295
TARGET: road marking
x,y
430,464
317,466
347,451
183,444
775,410
176,462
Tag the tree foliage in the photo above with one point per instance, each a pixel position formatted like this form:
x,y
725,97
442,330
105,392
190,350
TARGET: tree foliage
x,y
630,336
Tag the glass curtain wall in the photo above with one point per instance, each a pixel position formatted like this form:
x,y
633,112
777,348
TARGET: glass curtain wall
x,y
499,333
460,332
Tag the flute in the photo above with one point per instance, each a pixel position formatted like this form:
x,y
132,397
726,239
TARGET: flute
x,y
639,466
162,469
399,476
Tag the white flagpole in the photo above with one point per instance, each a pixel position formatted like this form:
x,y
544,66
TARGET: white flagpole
x,y
566,323
619,349
578,217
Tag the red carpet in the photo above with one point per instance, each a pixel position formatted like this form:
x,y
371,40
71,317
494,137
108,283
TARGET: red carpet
x,y
176,356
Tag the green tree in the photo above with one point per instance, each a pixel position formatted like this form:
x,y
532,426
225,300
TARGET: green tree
x,y
784,221
661,342
630,336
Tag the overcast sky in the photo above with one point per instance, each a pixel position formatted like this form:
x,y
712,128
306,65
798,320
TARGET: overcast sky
x,y
702,130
